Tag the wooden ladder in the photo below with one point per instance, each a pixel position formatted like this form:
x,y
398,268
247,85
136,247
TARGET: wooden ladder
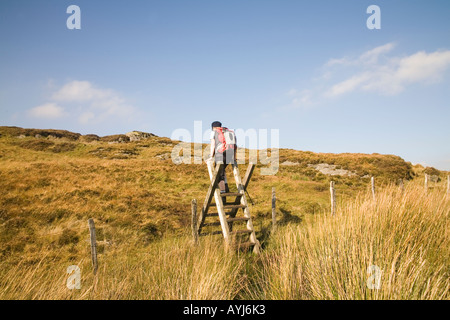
x,y
231,236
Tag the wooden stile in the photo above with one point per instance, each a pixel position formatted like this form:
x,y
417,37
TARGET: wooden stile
x,y
239,203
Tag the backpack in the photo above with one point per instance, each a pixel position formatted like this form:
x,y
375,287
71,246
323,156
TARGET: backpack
x,y
227,140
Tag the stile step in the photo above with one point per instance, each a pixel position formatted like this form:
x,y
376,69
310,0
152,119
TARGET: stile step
x,y
210,233
215,214
231,194
234,206
210,224
238,219
241,232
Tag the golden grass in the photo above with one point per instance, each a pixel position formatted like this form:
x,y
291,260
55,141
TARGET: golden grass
x,y
172,269
141,207
404,234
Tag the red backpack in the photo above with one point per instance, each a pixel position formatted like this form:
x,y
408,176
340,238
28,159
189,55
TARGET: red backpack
x,y
227,140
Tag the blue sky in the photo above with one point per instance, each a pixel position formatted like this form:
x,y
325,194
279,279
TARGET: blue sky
x,y
311,69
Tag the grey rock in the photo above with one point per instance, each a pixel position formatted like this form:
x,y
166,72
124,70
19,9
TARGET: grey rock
x,y
330,169
139,135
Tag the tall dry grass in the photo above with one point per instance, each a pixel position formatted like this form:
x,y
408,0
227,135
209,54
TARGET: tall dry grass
x,y
171,269
405,234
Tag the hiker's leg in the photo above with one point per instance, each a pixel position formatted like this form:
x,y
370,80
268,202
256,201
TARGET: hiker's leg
x,y
220,158
225,179
222,179
229,159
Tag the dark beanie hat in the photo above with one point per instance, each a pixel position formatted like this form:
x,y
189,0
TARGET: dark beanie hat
x,y
216,124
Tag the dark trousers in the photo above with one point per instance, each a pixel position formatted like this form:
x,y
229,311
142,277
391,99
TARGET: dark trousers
x,y
226,157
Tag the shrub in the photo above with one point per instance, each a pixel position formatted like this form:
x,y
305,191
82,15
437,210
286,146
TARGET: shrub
x,y
68,237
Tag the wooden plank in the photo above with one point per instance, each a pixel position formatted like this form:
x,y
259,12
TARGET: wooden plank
x,y
230,194
212,214
234,206
243,200
245,182
93,245
237,219
241,232
211,224
248,175
209,195
222,217
219,203
210,233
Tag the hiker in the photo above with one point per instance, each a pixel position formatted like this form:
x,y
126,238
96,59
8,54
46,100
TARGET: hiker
x,y
223,149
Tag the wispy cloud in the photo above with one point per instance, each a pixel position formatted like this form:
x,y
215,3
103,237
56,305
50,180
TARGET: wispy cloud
x,y
376,70
85,102
369,57
394,74
47,111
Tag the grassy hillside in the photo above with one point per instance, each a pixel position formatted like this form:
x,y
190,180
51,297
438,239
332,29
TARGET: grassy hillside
x,y
54,180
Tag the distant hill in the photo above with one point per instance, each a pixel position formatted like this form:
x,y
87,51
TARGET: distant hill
x,y
54,180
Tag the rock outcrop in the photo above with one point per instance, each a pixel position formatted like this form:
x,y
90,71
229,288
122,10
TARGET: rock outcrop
x,y
139,135
331,170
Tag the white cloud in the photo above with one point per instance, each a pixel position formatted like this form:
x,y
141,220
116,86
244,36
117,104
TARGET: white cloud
x,y
349,84
81,91
85,102
377,70
423,67
393,74
47,111
372,55
369,57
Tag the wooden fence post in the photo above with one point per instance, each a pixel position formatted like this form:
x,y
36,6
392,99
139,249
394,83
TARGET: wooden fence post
x,y
402,186
93,245
372,182
274,214
333,198
194,221
426,182
448,184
